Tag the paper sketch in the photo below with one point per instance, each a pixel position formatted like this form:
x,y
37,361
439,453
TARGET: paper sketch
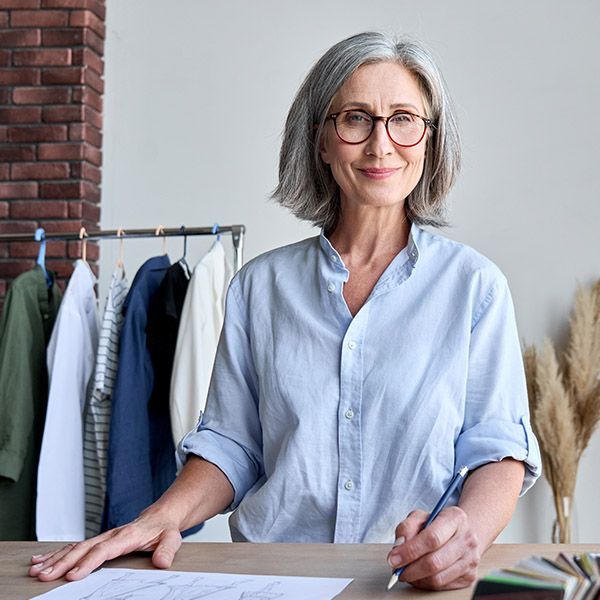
x,y
142,584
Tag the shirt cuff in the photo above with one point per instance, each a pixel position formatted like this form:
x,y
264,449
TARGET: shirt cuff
x,y
241,470
491,441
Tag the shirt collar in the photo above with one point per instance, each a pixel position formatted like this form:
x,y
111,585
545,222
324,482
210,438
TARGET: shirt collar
x,y
412,248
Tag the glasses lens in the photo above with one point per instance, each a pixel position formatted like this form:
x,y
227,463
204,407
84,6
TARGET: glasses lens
x,y
406,129
354,126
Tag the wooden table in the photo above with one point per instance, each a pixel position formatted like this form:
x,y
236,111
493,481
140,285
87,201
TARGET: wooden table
x,y
365,563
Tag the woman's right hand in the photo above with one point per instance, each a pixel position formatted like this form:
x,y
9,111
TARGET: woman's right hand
x,y
149,532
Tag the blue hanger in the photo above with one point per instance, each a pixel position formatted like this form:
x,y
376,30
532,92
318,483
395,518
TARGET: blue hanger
x,y
40,236
215,229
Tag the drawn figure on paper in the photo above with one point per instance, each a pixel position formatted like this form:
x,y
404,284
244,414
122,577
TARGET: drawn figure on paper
x,y
132,586
265,594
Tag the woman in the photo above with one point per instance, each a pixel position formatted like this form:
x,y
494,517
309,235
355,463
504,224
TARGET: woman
x,y
357,370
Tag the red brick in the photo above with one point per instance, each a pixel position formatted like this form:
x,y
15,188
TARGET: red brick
x,y
75,210
4,171
72,189
61,226
18,226
14,153
62,37
85,95
38,133
92,117
39,18
3,19
10,38
92,155
19,76
43,209
62,114
91,212
40,170
93,41
88,58
4,250
21,114
3,134
94,80
63,76
19,4
18,190
5,95
86,133
26,249
84,170
91,192
14,268
60,151
41,95
5,58
48,56
3,210
86,18
95,6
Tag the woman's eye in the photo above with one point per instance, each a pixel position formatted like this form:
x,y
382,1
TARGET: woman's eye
x,y
401,118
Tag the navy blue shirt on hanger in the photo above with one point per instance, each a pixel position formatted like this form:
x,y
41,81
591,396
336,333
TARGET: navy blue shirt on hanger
x,y
137,472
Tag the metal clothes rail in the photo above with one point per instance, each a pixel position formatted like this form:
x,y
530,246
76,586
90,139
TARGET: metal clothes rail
x,y
237,236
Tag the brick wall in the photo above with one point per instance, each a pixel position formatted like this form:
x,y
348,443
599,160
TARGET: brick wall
x,y
51,86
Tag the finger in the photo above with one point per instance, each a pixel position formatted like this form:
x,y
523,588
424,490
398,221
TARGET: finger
x,y
38,558
408,528
50,560
459,575
434,562
121,541
428,540
167,547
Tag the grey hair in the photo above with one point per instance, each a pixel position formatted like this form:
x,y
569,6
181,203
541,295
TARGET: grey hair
x,y
306,185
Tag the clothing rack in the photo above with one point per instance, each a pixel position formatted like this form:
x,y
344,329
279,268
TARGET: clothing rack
x,y
237,236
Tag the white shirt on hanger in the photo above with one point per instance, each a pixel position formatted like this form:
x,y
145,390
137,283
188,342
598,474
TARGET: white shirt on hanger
x,y
71,355
197,339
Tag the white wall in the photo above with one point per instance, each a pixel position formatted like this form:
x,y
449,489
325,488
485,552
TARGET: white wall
x,y
524,77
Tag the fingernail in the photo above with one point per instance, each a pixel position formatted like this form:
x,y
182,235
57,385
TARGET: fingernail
x,y
47,571
36,555
393,561
73,571
399,540
36,567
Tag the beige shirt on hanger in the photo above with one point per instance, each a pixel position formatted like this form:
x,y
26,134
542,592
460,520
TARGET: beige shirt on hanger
x,y
199,331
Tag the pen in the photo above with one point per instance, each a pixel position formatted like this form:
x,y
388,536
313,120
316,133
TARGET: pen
x,y
456,480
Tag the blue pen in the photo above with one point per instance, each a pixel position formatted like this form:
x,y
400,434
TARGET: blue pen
x,y
456,481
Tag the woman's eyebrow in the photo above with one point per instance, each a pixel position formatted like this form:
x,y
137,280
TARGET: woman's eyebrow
x,y
392,106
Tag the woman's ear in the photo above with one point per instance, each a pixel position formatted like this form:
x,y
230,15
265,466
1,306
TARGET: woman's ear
x,y
323,149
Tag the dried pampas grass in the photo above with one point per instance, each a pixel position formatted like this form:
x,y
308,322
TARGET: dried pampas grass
x,y
564,401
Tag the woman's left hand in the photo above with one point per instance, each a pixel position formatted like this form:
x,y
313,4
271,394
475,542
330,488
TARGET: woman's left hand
x,y
445,556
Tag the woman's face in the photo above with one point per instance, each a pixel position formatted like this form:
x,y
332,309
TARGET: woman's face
x,y
380,89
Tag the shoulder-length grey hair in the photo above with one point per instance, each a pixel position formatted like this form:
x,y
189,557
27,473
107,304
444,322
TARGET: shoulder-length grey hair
x,y
306,185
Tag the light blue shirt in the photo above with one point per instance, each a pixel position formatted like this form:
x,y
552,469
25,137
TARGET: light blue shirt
x,y
332,428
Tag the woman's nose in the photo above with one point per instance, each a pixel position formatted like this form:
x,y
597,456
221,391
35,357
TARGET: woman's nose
x,y
379,142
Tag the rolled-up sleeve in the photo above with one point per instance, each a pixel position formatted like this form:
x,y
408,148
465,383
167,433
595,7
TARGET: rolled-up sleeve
x,y
496,422
229,434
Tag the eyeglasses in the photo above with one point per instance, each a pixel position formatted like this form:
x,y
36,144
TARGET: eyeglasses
x,y
403,128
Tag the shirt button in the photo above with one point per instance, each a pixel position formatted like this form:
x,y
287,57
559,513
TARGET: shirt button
x,y
351,344
349,413
331,287
333,258
45,316
348,485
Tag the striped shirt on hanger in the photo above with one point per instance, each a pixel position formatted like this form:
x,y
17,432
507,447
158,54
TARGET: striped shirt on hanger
x,y
98,410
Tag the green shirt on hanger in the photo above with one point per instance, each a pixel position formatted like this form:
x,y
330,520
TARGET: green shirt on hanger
x,y
25,327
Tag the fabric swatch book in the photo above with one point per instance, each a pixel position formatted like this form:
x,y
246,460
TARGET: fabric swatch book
x,y
566,577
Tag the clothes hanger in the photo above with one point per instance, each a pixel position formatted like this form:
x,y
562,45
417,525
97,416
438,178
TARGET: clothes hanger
x,y
183,261
40,236
82,236
121,235
160,230
215,229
